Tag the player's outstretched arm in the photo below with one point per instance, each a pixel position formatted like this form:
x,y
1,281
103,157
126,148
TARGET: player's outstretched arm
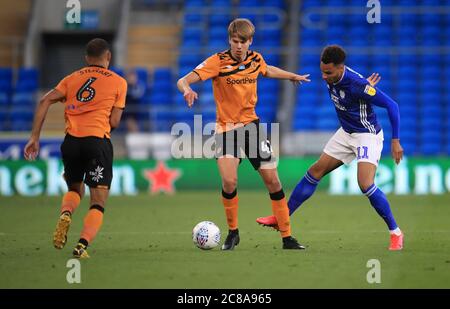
x,y
184,87
379,98
31,149
275,72
374,79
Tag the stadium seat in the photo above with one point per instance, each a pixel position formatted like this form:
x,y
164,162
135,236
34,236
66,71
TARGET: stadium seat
x,y
249,3
193,19
194,3
303,124
275,3
6,79
327,124
4,98
431,148
24,98
219,20
220,4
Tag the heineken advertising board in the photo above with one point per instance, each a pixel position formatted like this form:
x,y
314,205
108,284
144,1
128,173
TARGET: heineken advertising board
x,y
412,176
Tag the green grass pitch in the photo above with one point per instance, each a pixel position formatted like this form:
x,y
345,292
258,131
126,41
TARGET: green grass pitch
x,y
145,242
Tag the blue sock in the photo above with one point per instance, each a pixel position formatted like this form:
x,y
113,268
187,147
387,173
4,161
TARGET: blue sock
x,y
303,191
381,205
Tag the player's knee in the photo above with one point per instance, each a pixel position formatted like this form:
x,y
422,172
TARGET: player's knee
x,y
77,190
317,171
273,184
229,184
364,184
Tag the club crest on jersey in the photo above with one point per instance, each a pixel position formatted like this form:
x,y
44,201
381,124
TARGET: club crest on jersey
x,y
338,105
370,90
342,94
253,64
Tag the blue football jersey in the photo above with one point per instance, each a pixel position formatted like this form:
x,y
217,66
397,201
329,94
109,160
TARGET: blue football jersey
x,y
352,97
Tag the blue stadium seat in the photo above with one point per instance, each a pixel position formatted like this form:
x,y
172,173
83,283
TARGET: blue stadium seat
x,y
357,20
432,111
191,60
310,3
272,59
205,99
270,34
409,148
24,98
433,2
218,33
409,136
6,79
304,111
162,73
191,19
219,20
408,108
249,3
303,124
275,3
407,70
118,70
4,98
431,122
327,124
268,85
220,4
194,3
431,148
432,101
160,98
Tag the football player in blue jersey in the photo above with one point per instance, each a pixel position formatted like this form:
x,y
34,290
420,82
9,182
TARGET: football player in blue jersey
x,y
360,136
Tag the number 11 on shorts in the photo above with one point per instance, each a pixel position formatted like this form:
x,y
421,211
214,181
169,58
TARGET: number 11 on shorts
x,y
365,151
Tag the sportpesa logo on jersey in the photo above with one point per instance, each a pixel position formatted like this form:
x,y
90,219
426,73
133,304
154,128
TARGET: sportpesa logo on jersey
x,y
245,80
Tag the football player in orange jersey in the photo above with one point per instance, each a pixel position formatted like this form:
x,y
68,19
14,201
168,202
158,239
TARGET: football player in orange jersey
x,y
94,98
234,74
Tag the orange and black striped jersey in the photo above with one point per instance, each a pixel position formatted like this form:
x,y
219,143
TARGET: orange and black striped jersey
x,y
91,93
234,86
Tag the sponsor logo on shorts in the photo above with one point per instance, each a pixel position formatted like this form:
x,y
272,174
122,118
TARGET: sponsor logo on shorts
x,y
97,174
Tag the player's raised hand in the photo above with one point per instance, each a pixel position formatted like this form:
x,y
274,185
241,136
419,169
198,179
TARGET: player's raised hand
x,y
397,151
190,95
31,150
374,79
299,79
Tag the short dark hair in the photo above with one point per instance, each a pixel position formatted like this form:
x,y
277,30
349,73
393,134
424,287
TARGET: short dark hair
x,y
333,54
96,48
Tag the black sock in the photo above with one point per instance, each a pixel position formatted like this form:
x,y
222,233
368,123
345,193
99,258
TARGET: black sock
x,y
83,242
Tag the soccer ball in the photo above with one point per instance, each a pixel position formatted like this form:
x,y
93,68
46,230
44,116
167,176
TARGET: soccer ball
x,y
206,235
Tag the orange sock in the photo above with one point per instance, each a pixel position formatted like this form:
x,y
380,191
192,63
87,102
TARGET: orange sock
x,y
70,202
92,222
281,211
230,203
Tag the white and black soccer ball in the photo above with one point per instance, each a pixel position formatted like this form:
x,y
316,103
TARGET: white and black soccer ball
x,y
206,235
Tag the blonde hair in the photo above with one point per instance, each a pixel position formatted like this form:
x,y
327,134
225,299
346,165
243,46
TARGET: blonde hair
x,y
242,27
